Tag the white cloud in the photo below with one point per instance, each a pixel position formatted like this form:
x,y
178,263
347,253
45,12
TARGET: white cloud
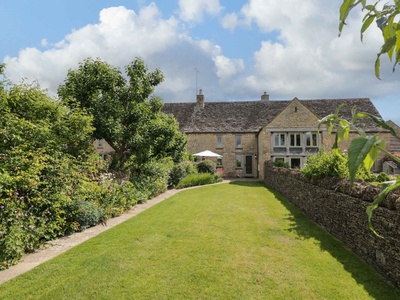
x,y
230,21
119,37
303,57
193,10
307,59
226,68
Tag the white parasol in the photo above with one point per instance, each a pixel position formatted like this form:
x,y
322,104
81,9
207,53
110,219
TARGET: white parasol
x,y
208,153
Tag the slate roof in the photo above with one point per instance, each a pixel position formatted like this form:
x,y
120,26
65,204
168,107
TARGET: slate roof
x,y
251,116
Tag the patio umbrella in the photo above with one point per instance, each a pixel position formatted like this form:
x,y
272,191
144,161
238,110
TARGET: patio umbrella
x,y
208,153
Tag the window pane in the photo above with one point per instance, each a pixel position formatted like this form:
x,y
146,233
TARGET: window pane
x,y
282,139
219,161
238,141
314,139
292,140
308,138
238,161
219,141
276,139
298,141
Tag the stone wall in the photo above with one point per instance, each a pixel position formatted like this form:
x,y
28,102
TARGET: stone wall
x,y
340,209
208,141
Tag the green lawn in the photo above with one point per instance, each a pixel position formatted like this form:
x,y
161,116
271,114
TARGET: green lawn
x,y
227,241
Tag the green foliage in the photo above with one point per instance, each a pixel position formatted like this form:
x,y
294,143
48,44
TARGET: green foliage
x,y
206,166
281,163
85,214
382,177
363,150
325,164
387,21
124,113
181,170
197,179
330,164
50,181
151,178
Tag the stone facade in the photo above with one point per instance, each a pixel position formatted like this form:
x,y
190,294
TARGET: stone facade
x,y
284,130
227,145
340,209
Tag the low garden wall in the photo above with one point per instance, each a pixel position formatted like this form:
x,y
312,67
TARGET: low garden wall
x,y
340,208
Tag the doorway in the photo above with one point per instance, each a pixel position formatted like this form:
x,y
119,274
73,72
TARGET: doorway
x,y
249,165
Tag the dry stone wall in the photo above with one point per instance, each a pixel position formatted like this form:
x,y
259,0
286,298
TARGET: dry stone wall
x,y
340,208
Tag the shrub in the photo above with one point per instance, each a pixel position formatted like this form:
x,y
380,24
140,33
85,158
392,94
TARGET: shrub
x,y
382,177
330,165
180,171
197,179
206,166
281,163
85,214
325,164
151,178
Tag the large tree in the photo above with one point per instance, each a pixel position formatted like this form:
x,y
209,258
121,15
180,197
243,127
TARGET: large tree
x,y
124,111
386,17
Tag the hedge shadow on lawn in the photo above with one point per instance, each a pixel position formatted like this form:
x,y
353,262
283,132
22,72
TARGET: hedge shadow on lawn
x,y
363,273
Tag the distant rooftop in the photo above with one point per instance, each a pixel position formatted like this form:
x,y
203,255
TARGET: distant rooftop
x,y
251,116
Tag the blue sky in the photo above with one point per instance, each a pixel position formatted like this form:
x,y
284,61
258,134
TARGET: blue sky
x,y
240,48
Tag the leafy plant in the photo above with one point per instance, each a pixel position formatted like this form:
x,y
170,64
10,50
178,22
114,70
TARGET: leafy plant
x,y
363,150
197,179
386,18
206,166
281,164
325,164
180,171
382,177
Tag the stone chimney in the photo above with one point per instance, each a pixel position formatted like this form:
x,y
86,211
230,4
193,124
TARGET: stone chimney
x,y
200,99
265,97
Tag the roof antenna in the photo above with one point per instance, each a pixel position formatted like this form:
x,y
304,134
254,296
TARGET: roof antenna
x,y
197,79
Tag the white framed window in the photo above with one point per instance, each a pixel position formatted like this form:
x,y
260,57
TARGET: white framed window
x,y
311,139
280,139
219,162
239,160
219,141
238,141
295,139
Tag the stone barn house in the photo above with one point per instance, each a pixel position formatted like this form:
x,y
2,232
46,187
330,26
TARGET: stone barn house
x,y
247,133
